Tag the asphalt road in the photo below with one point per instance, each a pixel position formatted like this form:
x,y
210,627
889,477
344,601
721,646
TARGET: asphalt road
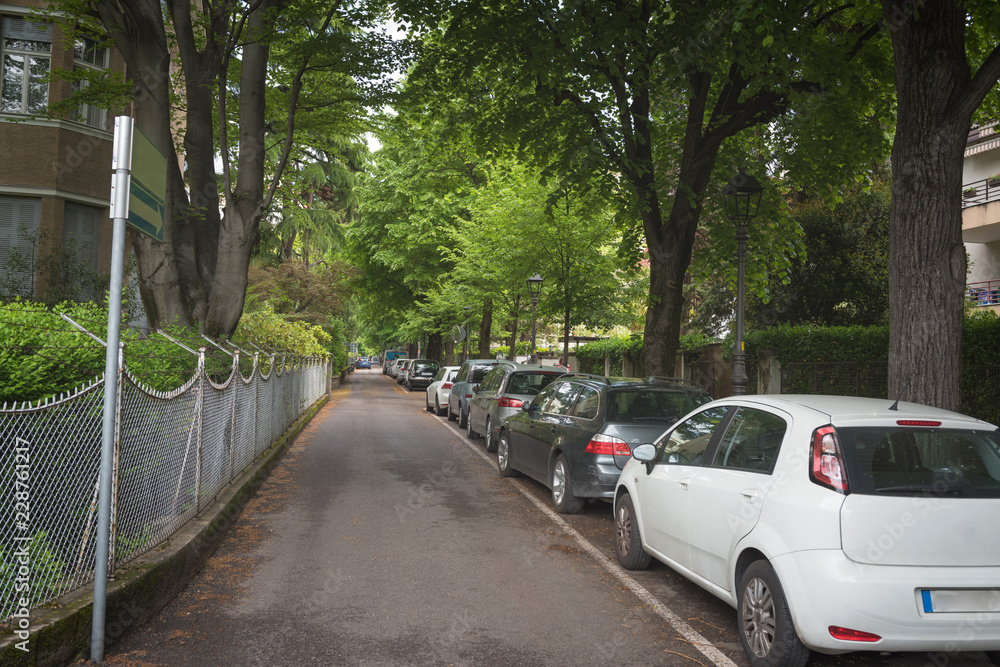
x,y
386,537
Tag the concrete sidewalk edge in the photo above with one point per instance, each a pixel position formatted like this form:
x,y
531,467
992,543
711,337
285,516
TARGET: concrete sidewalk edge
x,y
61,630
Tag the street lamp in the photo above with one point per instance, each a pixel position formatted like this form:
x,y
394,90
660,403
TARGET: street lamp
x,y
534,289
742,198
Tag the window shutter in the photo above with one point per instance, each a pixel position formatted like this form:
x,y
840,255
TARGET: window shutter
x,y
17,215
17,27
82,238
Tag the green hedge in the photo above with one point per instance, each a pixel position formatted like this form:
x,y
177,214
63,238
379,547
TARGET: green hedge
x,y
42,355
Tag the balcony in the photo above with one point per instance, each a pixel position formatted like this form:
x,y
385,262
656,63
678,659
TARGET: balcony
x,y
984,294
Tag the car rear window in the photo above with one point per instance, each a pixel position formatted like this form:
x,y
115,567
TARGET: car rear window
x,y
479,372
421,366
901,461
530,383
649,405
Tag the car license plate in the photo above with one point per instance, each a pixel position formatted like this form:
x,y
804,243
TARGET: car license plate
x,y
960,600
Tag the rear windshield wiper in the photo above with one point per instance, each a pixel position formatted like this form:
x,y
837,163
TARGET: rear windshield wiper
x,y
933,489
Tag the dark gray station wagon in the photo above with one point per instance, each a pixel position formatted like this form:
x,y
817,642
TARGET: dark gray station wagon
x,y
577,434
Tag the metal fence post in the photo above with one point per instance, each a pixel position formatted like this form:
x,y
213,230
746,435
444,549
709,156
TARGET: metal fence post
x,y
200,407
113,535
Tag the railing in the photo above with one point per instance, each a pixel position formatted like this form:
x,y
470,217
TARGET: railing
x,y
174,453
983,293
980,192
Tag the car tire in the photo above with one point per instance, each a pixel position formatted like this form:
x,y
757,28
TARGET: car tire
x,y
463,418
764,621
491,442
503,456
562,488
451,415
427,403
628,543
469,432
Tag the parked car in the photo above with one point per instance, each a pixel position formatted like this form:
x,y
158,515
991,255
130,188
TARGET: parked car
x,y
439,390
420,373
395,366
831,524
470,373
363,362
501,394
576,435
404,369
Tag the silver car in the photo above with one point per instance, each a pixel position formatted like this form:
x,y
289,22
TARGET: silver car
x,y
440,389
502,393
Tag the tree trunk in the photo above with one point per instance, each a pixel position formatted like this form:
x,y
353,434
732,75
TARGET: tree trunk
x,y
927,265
141,39
240,224
515,313
485,329
435,347
449,351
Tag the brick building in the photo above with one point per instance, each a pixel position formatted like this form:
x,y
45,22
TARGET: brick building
x,y
55,175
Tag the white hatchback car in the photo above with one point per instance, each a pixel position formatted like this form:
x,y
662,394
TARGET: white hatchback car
x,y
831,523
439,390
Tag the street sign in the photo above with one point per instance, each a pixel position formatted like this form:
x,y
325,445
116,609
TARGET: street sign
x,y
147,197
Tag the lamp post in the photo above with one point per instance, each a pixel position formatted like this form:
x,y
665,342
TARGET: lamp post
x,y
534,289
742,198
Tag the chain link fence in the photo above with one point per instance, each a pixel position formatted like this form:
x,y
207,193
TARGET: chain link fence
x,y
175,452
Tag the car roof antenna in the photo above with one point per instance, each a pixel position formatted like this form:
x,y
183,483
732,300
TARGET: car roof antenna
x,y
895,406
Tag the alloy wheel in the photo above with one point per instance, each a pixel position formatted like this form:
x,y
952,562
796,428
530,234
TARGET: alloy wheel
x,y
758,617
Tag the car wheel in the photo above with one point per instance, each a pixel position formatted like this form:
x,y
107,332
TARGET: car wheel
x,y
451,415
562,488
469,432
628,543
491,442
765,624
503,456
463,418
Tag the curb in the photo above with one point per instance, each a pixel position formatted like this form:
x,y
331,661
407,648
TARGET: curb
x,y
141,589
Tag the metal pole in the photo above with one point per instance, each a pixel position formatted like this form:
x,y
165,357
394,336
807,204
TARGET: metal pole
x,y
739,379
534,328
122,163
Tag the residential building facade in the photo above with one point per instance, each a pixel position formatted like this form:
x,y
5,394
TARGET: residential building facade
x,y
981,215
55,174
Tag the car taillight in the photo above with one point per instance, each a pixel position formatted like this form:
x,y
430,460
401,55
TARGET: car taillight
x,y
446,385
605,444
827,460
510,402
849,635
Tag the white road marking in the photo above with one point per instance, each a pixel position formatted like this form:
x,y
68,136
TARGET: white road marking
x,y
707,648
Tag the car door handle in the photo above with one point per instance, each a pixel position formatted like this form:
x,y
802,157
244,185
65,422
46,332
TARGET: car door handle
x,y
531,425
684,483
553,429
749,495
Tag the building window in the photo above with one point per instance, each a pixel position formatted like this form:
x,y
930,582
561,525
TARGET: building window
x,y
19,217
81,242
26,47
87,55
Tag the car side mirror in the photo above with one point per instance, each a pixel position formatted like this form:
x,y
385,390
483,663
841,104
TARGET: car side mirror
x,y
646,454
475,389
527,406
